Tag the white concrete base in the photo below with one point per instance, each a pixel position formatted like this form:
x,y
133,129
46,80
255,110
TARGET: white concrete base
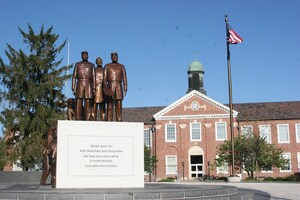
x,y
233,179
100,154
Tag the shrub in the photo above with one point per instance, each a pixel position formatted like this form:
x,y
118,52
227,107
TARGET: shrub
x,y
292,178
279,179
248,179
169,179
268,179
222,178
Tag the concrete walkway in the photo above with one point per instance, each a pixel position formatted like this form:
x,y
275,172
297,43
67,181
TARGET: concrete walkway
x,y
264,190
261,190
170,191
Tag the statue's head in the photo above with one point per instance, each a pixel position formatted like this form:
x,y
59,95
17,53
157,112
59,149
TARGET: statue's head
x,y
98,61
114,56
84,55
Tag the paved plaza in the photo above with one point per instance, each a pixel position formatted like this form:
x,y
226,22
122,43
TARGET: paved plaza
x,y
261,190
264,191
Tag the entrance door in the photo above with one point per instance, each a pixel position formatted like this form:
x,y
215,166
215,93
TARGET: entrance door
x,y
196,166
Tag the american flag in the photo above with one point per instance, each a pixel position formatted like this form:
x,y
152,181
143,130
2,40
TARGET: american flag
x,y
233,37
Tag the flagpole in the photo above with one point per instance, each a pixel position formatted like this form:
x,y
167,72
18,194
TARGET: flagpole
x,y
68,71
230,98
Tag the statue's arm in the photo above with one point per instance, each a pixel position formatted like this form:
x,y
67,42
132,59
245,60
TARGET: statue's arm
x,y
94,80
74,79
124,80
105,76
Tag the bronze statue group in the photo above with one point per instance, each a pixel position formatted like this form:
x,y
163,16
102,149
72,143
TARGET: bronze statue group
x,y
94,87
99,93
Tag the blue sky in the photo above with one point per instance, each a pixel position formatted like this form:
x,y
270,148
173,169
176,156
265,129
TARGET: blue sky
x,y
156,39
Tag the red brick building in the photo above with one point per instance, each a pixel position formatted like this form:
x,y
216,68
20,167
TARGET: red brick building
x,y
188,131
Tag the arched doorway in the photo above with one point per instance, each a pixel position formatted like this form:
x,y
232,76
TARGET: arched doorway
x,y
196,160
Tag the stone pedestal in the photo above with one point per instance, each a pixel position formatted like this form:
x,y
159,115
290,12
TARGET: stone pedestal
x,y
100,155
233,179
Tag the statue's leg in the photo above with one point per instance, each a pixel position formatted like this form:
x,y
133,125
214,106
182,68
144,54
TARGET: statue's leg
x,y
119,110
88,109
78,111
95,112
46,167
53,177
110,106
53,172
102,111
52,159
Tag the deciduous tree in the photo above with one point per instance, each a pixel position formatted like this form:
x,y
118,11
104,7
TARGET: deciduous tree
x,y
252,153
149,161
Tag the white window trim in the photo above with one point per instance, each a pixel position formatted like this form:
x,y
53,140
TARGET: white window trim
x,y
297,133
288,132
289,157
269,127
150,139
166,133
242,127
191,132
171,173
216,131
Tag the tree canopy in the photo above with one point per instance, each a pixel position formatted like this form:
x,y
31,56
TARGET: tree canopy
x,y
252,153
32,83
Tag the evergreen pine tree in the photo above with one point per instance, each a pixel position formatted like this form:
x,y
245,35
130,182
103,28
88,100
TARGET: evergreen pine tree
x,y
32,84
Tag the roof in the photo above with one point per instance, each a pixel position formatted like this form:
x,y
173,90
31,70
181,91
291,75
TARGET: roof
x,y
247,112
140,114
166,113
268,111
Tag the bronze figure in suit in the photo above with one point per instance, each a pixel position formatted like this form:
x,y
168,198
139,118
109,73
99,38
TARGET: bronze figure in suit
x,y
49,156
116,82
99,103
83,87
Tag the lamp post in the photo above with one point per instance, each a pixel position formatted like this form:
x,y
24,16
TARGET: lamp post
x,y
208,168
153,131
182,163
150,165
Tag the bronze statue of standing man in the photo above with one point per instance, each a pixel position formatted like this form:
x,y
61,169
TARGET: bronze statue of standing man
x,y
83,87
99,103
116,81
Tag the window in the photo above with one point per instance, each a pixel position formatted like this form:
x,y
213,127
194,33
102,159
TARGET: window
x,y
222,169
247,130
283,133
171,164
147,137
221,133
195,131
265,132
298,133
267,169
288,166
170,133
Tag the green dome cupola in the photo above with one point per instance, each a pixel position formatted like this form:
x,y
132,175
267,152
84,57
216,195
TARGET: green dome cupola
x,y
195,66
195,77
